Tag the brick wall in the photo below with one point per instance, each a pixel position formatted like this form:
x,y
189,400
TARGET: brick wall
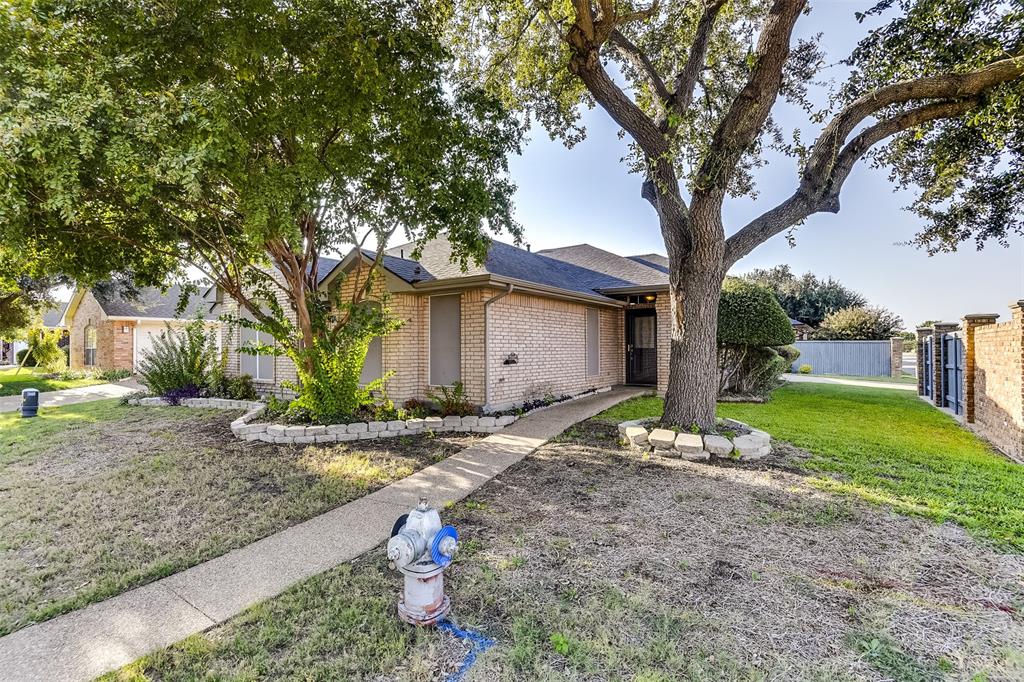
x,y
995,360
114,349
548,337
663,308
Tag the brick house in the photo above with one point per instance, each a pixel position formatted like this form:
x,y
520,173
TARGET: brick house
x,y
109,331
521,325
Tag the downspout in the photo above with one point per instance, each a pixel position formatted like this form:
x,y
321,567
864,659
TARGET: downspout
x,y
487,343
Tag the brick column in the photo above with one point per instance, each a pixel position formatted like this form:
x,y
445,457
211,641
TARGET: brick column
x,y
923,334
896,357
971,323
1017,314
938,392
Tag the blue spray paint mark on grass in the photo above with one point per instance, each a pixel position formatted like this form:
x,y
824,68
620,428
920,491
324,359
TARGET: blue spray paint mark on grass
x,y
478,645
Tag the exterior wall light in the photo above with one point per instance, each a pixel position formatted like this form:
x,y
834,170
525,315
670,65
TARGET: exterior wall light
x,y
650,298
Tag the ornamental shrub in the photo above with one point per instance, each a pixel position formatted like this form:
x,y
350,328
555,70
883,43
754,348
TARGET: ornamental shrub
x,y
749,315
753,337
806,369
180,362
21,360
862,323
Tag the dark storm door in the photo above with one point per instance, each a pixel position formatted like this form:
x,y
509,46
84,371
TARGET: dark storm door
x,y
641,347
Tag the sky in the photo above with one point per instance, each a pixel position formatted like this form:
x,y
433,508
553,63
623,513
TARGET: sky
x,y
584,194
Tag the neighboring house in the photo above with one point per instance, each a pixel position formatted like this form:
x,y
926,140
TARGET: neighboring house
x,y
803,331
517,327
112,332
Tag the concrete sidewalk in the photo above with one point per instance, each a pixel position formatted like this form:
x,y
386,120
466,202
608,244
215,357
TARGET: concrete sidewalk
x,y
811,379
105,636
71,396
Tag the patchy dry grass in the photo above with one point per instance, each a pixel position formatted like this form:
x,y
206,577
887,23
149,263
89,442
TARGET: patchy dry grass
x,y
586,563
99,497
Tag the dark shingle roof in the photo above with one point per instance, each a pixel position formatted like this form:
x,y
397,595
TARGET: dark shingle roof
x,y
505,260
325,267
611,264
153,304
652,260
409,270
51,316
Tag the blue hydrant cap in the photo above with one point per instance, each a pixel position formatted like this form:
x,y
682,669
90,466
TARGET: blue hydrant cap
x,y
435,546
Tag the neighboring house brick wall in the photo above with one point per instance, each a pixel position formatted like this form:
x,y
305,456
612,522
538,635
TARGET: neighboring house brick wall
x,y
998,378
549,338
108,355
123,344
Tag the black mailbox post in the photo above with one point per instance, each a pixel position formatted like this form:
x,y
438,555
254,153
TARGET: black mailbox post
x,y
29,402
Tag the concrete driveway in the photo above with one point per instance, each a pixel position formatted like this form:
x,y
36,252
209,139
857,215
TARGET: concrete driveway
x,y
71,396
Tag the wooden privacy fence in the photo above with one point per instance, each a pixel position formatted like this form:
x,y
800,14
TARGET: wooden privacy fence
x,y
976,371
852,358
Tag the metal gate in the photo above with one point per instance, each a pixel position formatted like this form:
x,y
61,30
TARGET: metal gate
x,y
928,367
953,373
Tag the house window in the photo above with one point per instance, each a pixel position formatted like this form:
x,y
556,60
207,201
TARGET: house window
x,y
259,366
445,339
593,342
373,365
90,346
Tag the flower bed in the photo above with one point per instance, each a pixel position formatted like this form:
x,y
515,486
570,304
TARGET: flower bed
x,y
748,444
246,429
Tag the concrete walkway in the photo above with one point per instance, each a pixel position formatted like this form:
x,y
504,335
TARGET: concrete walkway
x,y
105,636
811,379
71,396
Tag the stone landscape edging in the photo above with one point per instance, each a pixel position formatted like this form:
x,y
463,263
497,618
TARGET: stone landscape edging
x,y
244,428
695,447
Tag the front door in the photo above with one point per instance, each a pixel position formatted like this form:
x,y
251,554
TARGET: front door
x,y
641,347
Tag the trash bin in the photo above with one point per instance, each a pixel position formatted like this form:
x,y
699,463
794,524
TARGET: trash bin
x,y
29,402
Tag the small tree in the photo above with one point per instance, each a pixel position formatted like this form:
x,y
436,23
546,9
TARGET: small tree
x,y
863,323
750,324
43,347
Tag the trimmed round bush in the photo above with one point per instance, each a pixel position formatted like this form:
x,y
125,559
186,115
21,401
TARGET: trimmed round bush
x,y
750,315
790,353
806,369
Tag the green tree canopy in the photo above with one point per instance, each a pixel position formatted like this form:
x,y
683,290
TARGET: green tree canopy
x,y
806,298
240,137
860,323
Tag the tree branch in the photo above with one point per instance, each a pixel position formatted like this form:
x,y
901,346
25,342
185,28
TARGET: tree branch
x,y
946,86
822,194
635,56
750,109
686,81
624,111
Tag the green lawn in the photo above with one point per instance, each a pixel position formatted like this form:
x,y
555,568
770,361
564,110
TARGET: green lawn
x,y
99,497
887,447
12,383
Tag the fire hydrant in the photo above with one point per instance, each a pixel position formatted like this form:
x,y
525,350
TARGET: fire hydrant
x,y
420,548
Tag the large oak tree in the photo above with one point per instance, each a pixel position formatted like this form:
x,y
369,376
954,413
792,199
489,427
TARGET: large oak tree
x,y
935,94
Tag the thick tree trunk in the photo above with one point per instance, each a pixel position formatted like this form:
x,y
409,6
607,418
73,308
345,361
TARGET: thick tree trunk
x,y
695,286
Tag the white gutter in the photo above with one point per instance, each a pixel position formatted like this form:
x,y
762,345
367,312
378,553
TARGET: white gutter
x,y
487,344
